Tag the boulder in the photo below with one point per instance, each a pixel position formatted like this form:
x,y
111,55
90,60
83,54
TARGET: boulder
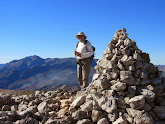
x,y
79,115
5,99
78,101
137,102
6,108
113,116
145,57
149,95
119,86
29,111
108,104
143,119
103,121
88,106
120,120
156,81
96,115
42,107
102,84
84,121
160,112
133,112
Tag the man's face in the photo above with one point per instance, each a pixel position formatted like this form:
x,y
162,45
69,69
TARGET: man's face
x,y
81,37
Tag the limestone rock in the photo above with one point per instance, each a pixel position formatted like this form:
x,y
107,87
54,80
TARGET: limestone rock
x,y
120,120
119,86
103,121
156,81
42,107
14,108
6,108
145,57
22,107
160,111
137,102
143,119
79,101
88,106
84,121
37,93
113,116
102,84
96,115
133,112
149,95
132,90
126,77
78,115
108,104
160,101
5,99
29,111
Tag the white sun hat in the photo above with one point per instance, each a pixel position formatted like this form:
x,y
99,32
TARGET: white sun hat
x,y
81,33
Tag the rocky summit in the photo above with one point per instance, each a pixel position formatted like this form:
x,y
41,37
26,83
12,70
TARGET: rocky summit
x,y
126,89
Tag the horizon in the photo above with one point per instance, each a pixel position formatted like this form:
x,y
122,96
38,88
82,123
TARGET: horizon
x,y
48,29
51,58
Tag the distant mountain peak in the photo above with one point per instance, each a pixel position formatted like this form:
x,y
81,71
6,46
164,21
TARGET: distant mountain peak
x,y
32,57
24,63
27,58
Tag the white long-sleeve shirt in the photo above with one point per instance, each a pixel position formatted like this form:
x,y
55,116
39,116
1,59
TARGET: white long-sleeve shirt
x,y
86,50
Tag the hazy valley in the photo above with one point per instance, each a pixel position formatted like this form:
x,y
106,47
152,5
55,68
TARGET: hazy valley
x,y
33,72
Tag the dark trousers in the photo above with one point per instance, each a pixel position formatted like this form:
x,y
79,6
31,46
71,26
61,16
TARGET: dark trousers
x,y
83,70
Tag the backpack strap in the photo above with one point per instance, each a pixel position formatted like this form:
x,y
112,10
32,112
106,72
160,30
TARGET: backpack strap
x,y
84,43
77,45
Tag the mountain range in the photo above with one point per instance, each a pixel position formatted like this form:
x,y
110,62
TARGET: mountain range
x,y
36,73
33,73
1,65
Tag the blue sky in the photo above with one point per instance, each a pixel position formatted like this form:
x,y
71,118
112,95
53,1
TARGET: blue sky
x,y
47,28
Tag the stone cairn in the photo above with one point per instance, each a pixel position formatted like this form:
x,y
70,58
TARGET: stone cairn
x,y
126,88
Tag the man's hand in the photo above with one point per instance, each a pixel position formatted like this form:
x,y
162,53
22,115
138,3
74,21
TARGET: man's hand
x,y
77,53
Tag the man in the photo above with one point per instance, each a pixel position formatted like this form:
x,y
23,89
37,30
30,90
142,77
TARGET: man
x,y
83,52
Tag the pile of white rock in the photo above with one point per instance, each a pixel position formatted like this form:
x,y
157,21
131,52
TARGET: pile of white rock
x,y
126,88
45,107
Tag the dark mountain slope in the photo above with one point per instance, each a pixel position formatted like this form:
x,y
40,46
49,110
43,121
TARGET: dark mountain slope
x,y
1,65
33,73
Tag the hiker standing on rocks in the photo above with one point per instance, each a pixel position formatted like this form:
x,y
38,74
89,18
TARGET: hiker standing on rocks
x,y
83,53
